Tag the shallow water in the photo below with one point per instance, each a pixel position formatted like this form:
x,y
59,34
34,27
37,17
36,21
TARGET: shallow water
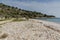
x,y
57,20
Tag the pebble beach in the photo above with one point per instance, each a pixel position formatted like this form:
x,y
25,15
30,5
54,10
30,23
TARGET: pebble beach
x,y
30,30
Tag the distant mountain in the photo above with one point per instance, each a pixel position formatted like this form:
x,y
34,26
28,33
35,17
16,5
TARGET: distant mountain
x,y
13,12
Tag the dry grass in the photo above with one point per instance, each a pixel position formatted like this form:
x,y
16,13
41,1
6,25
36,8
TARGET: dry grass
x,y
18,20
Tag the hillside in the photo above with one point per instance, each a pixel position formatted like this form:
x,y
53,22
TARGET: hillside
x,y
13,12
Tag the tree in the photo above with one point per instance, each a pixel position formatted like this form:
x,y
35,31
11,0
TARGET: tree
x,y
45,15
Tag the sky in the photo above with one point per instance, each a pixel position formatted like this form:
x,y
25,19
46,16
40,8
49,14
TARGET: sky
x,y
50,7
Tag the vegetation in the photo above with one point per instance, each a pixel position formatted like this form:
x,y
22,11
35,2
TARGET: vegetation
x,y
13,12
19,19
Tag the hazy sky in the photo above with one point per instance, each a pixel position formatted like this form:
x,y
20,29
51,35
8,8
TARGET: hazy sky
x,y
51,7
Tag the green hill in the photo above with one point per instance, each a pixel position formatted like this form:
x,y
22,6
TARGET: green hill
x,y
13,12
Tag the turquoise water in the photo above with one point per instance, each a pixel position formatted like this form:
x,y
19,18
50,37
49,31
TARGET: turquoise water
x,y
57,20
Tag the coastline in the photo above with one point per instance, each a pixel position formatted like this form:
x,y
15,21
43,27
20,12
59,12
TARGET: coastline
x,y
53,25
32,29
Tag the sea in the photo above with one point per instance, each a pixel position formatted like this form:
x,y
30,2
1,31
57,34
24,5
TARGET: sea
x,y
56,20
